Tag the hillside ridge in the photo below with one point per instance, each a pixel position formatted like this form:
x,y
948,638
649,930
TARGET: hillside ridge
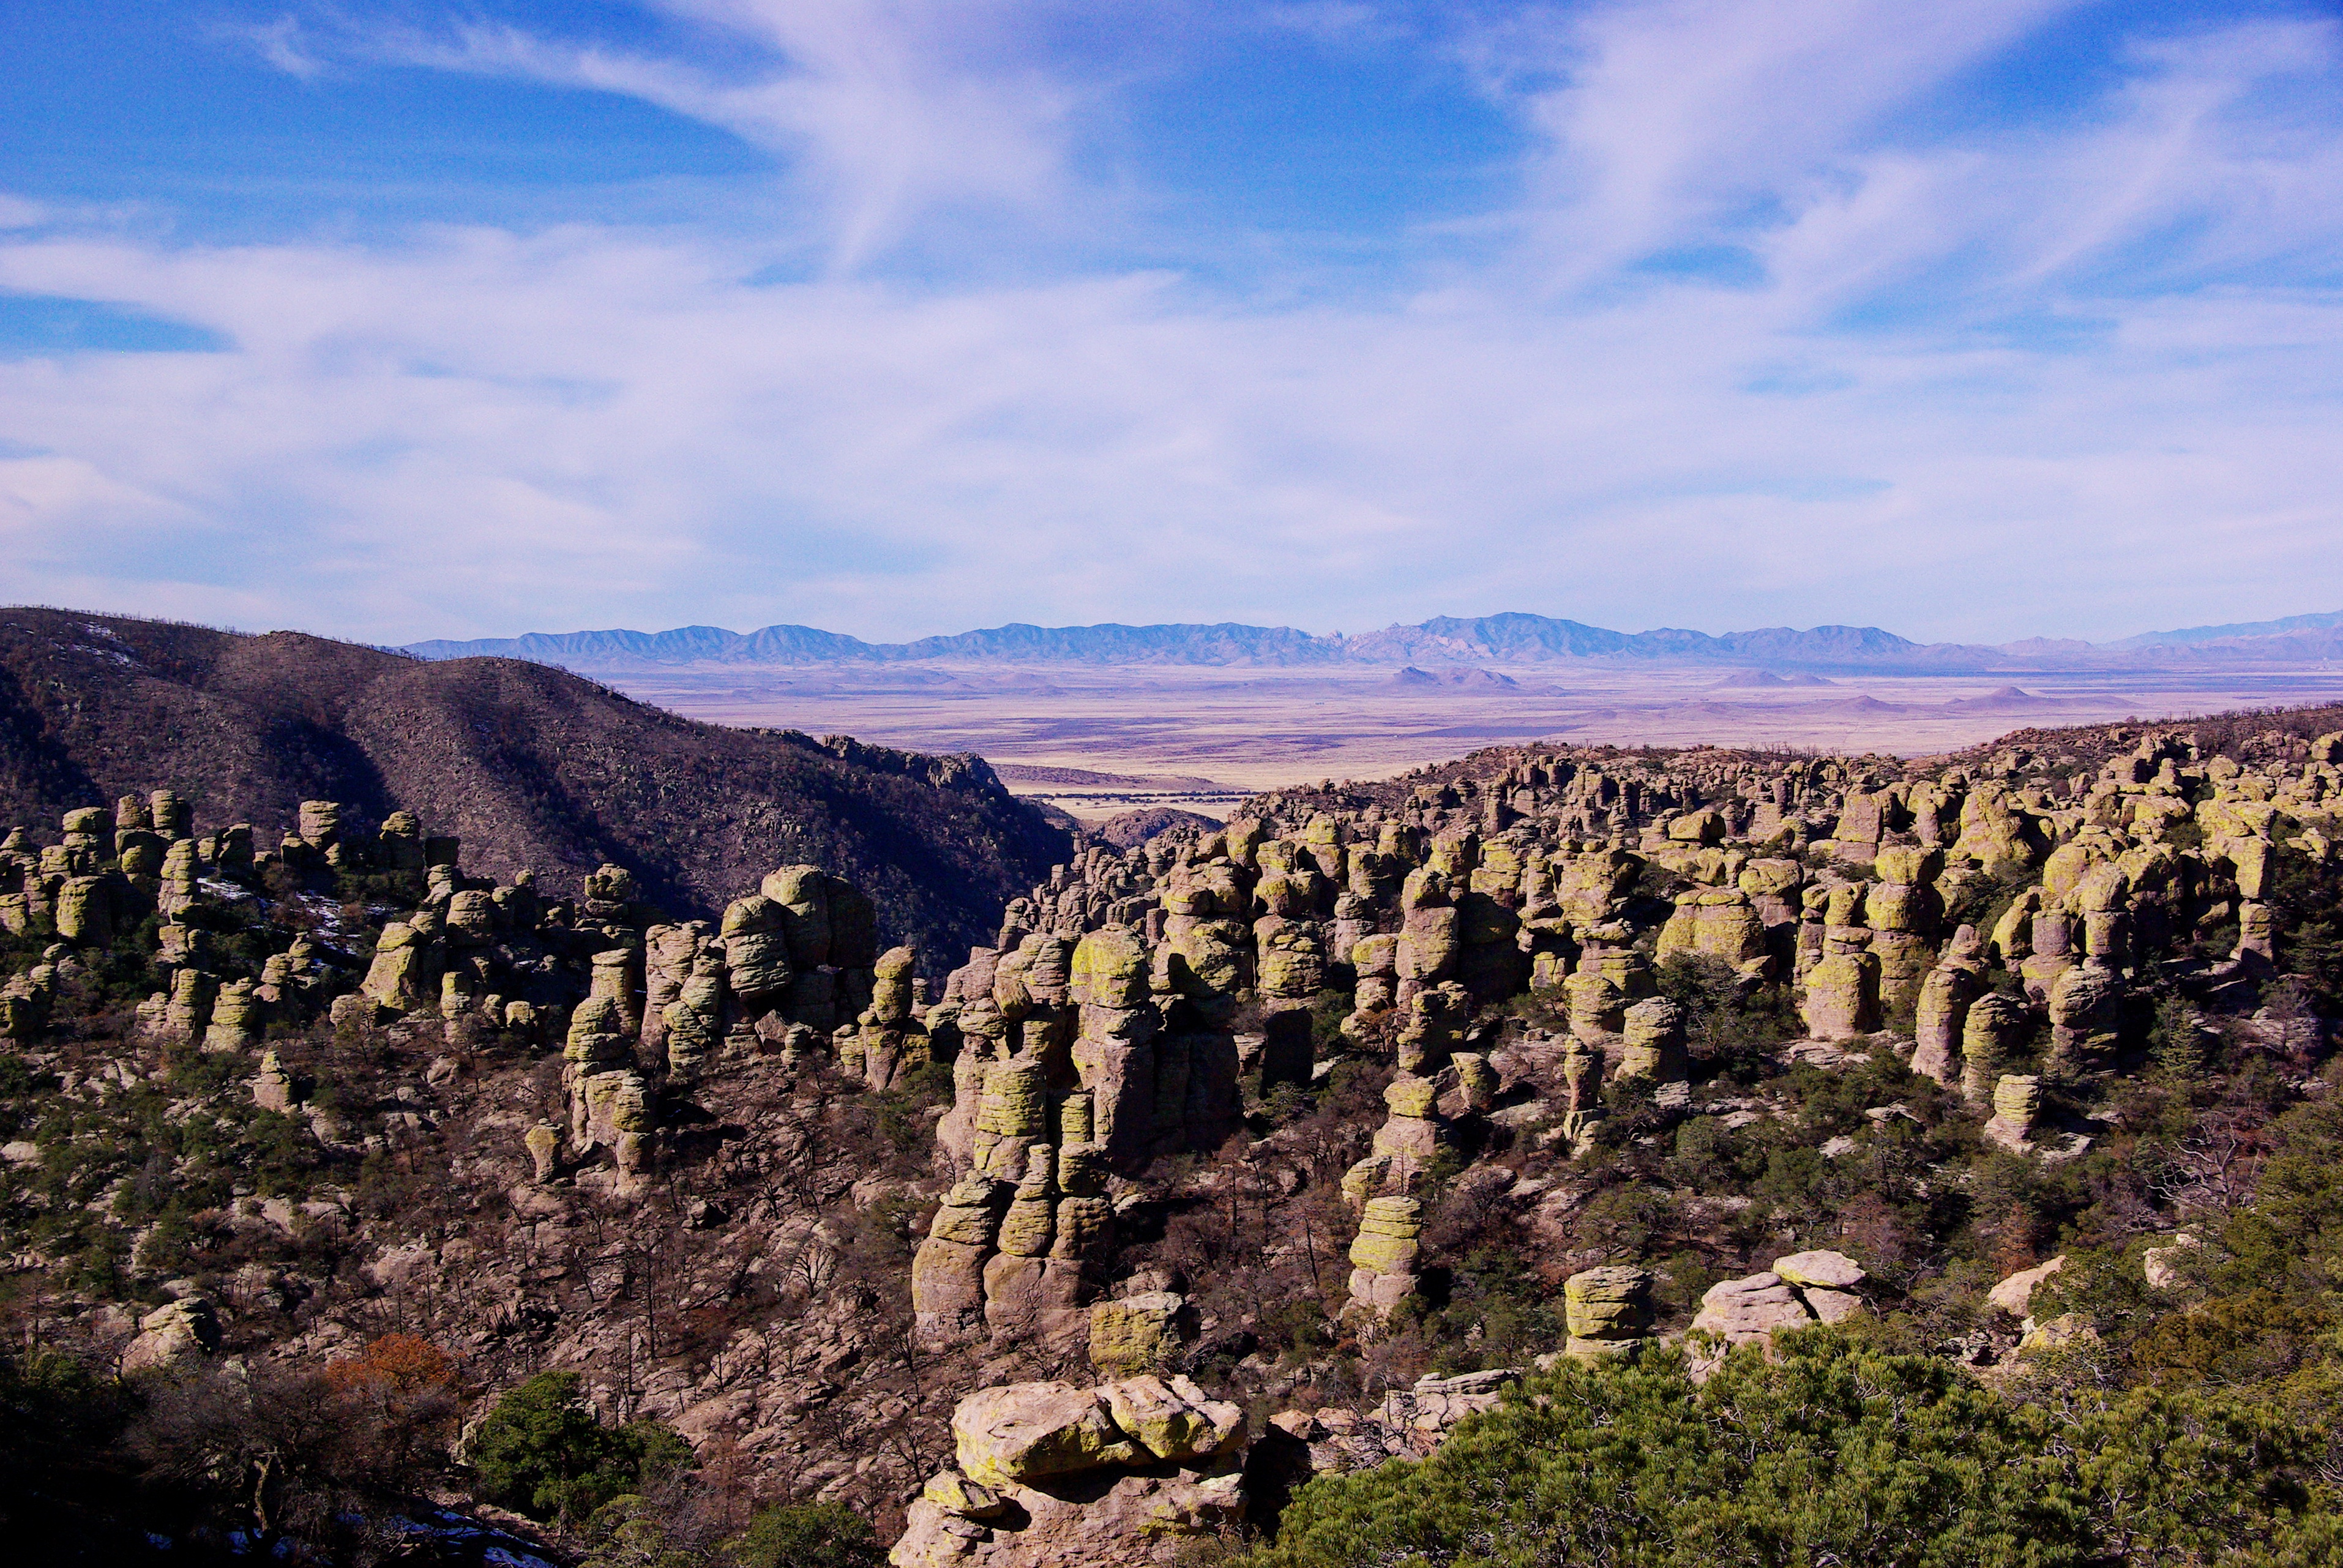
x,y
534,767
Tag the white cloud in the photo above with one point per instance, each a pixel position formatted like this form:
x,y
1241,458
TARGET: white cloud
x,y
1687,121
1336,22
284,45
481,432
888,111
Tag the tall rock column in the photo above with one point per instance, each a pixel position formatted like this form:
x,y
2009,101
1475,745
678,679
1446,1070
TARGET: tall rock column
x,y
1990,1037
1115,1050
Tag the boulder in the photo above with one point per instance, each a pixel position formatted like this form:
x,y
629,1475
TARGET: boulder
x,y
1608,1310
1750,1310
1826,1270
2015,1295
1027,1431
1174,1421
172,1334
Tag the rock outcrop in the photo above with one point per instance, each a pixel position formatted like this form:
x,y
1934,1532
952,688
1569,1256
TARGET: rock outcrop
x,y
1799,1291
1048,1474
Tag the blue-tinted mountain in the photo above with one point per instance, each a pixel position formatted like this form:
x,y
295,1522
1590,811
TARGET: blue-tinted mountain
x,y
2196,635
1511,638
684,645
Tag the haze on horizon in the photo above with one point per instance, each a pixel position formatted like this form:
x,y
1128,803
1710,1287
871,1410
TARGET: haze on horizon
x,y
413,320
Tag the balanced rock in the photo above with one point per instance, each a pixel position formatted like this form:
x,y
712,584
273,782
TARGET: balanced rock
x,y
1608,1310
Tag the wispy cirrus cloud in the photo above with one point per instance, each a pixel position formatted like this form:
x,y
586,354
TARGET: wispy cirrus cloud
x,y
1700,123
884,111
284,43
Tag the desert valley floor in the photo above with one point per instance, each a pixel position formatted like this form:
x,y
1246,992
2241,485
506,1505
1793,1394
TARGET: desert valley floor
x,y
1203,738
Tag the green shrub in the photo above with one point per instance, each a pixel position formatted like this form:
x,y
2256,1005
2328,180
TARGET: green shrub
x,y
542,1452
808,1535
1836,1455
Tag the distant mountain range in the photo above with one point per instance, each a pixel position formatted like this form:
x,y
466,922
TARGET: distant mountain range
x,y
1512,638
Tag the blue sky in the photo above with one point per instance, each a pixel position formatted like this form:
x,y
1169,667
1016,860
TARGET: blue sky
x,y
410,319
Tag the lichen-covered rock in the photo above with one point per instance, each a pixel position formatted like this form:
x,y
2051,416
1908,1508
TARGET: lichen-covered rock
x,y
1607,1311
801,895
1990,1036
1476,1082
970,1212
1175,1420
405,974
1842,996
890,985
1995,831
1029,1431
1654,1047
956,1493
189,1010
1134,1333
237,1017
1938,1018
1290,962
543,1143
2082,1003
2067,1331
2017,1099
1030,1223
272,1086
86,911
1384,1255
598,1034
757,951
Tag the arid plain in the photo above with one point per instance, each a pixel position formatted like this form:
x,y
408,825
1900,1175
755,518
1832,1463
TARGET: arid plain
x,y
1204,738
